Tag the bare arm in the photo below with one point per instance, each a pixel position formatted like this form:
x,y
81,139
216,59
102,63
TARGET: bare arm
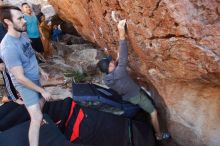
x,y
18,72
19,75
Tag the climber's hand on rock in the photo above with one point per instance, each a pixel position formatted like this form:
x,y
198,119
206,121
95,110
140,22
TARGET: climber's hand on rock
x,y
106,51
49,23
59,27
121,29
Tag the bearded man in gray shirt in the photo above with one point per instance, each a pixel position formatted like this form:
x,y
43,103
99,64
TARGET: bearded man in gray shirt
x,y
20,60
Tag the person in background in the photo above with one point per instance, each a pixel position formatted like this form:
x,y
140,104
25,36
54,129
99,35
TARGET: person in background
x,y
56,33
32,28
45,30
11,92
118,79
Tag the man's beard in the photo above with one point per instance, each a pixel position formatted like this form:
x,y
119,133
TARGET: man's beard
x,y
20,29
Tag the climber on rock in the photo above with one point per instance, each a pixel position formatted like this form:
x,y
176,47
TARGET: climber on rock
x,y
118,79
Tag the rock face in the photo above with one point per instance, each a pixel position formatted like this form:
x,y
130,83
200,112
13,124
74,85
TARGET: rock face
x,y
174,47
79,55
73,54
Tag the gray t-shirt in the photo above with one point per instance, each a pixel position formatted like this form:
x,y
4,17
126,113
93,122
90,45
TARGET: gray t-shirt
x,y
119,79
19,52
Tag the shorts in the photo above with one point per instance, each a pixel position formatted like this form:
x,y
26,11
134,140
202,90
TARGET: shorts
x,y
29,96
142,101
37,45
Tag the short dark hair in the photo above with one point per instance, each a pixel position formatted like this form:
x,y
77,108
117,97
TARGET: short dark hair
x,y
5,13
103,64
1,61
24,4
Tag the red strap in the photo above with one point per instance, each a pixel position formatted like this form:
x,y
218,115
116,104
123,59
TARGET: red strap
x,y
77,123
70,114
